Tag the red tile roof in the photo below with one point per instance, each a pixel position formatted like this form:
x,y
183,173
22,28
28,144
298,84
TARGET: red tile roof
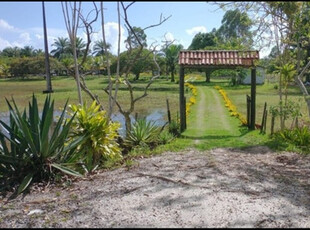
x,y
208,58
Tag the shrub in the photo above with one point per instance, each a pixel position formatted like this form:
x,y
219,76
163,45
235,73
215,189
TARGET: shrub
x,y
297,137
99,134
165,137
142,132
174,128
29,153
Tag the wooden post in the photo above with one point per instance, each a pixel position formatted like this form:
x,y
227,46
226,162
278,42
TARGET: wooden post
x,y
168,112
272,125
253,97
265,122
263,119
185,126
248,110
181,100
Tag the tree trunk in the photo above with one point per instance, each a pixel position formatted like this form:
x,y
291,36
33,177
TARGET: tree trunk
x,y
208,76
47,62
137,76
127,122
76,72
172,76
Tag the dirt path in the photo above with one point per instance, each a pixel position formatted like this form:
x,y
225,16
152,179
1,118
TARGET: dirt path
x,y
225,188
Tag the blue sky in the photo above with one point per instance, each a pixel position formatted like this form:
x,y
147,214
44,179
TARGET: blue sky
x,y
21,22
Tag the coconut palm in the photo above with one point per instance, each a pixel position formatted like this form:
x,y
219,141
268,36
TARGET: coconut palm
x,y
62,47
172,54
27,51
80,47
99,48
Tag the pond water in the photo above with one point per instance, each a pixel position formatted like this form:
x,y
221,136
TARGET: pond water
x,y
158,116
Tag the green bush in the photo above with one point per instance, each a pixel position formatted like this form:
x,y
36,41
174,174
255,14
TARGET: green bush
x,y
99,133
297,138
165,137
34,150
174,128
142,132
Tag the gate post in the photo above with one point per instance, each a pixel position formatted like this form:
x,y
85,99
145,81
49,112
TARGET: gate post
x,y
253,97
182,100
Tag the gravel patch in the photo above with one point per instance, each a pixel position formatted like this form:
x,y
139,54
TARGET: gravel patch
x,y
232,188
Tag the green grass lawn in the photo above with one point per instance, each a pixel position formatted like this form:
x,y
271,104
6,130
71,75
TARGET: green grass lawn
x,y
209,124
65,88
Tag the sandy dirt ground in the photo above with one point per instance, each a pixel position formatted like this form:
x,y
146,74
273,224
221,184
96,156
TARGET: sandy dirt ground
x,y
230,188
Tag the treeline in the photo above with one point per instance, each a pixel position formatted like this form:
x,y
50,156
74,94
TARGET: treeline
x,y
23,62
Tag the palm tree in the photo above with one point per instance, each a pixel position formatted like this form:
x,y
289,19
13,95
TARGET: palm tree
x,y
11,52
27,51
80,47
99,48
172,54
62,47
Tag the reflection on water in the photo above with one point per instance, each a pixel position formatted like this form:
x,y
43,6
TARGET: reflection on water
x,y
158,116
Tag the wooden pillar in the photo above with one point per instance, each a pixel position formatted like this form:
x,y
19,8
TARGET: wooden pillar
x,y
253,97
182,101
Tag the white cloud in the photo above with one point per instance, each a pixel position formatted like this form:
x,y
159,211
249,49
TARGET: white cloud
x,y
25,37
4,44
39,36
5,25
196,30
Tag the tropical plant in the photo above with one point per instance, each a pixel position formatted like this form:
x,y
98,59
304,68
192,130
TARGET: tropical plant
x,y
172,55
297,137
32,150
165,137
99,48
62,46
174,128
99,134
142,132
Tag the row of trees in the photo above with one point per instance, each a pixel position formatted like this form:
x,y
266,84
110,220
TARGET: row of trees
x,y
19,62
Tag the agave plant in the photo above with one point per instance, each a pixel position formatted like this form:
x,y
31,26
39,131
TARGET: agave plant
x,y
142,132
32,151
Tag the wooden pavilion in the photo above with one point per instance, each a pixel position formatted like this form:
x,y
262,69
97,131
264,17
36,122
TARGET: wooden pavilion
x,y
217,59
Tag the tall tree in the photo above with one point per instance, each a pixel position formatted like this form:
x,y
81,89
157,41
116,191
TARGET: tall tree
x,y
236,25
172,57
201,40
100,47
11,52
72,26
80,47
135,38
27,51
62,46
47,62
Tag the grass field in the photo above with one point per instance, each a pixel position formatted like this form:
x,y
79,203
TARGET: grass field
x,y
65,88
209,124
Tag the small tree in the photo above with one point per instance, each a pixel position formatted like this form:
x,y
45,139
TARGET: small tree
x,y
72,27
